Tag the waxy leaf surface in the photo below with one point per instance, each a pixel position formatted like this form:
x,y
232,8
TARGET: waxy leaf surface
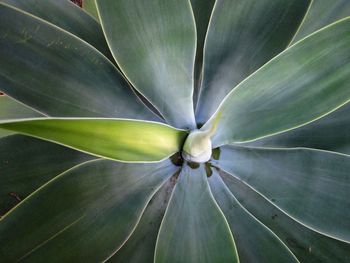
x,y
118,139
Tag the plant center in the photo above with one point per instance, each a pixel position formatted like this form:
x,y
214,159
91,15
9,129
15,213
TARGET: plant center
x,y
197,147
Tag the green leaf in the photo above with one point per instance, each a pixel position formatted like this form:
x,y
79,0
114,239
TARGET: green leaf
x,y
154,45
254,241
117,139
202,10
322,13
308,246
67,16
24,167
56,73
83,215
242,36
311,186
140,246
328,133
307,81
194,228
11,109
90,7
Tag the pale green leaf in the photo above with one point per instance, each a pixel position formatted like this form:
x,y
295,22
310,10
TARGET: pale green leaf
x,y
307,81
118,139
90,7
242,36
83,215
154,45
194,228
311,186
58,74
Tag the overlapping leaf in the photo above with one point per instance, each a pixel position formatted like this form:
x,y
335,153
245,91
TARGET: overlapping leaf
x,y
11,109
84,215
27,163
202,10
306,244
242,36
311,186
307,81
194,229
255,242
154,44
322,13
91,8
66,15
59,74
328,133
141,245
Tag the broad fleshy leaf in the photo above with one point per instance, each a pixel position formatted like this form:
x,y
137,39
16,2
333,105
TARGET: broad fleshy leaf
x,y
90,7
194,229
242,36
307,245
58,74
322,13
140,246
202,10
328,133
154,45
118,139
68,16
311,186
11,109
307,81
27,163
254,241
83,215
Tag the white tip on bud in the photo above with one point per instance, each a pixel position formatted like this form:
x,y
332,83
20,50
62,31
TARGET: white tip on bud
x,y
197,147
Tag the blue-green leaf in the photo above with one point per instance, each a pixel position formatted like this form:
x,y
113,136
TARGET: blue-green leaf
x,y
83,215
141,245
154,45
322,13
306,244
27,163
242,36
305,82
328,133
58,74
311,186
194,228
11,109
254,241
68,16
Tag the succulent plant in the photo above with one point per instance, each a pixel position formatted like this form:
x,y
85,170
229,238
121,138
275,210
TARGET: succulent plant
x,y
175,131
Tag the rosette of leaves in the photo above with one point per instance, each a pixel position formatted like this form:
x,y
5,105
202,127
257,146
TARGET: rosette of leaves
x,y
100,108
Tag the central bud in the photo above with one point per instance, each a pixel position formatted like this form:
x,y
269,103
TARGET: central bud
x,y
197,147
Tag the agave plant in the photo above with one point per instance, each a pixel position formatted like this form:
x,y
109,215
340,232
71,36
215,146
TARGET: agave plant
x,y
175,131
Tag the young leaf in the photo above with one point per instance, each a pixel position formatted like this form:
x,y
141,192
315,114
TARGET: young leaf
x,y
118,139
